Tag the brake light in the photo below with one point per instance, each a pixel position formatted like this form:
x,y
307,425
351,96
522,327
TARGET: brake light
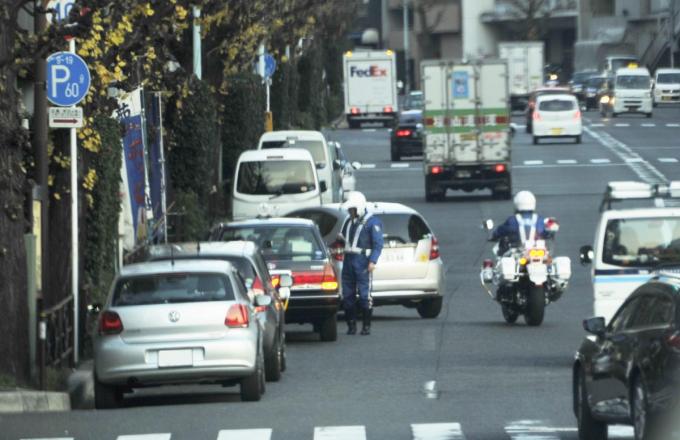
x,y
330,281
388,109
437,169
487,264
337,250
110,323
354,111
434,248
325,280
536,115
673,341
500,168
237,316
404,133
577,115
276,280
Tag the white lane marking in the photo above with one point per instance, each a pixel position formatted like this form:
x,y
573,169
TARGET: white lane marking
x,y
621,431
668,160
634,160
340,433
436,431
48,438
534,430
368,130
567,161
368,165
578,165
672,125
145,437
533,162
648,125
597,125
400,165
646,171
245,434
600,161
622,125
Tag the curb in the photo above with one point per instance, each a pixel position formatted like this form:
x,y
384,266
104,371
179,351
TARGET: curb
x,y
33,401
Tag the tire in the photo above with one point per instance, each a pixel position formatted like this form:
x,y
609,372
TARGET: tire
x,y
433,196
273,362
649,115
395,156
353,124
284,361
252,387
615,115
430,308
328,329
527,129
509,315
642,420
106,396
536,140
535,306
578,139
588,427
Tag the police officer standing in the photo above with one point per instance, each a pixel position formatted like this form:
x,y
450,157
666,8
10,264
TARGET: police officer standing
x,y
362,234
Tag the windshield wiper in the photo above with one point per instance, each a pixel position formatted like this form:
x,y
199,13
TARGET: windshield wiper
x,y
278,193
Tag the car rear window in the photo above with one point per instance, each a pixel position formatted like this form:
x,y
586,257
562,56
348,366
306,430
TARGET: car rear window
x,y
668,78
557,105
403,228
316,148
280,242
275,177
172,288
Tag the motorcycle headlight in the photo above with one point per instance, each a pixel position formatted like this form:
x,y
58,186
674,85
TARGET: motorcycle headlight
x,y
605,99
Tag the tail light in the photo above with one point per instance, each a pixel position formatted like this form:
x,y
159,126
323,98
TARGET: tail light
x,y
487,264
388,109
237,316
110,323
404,133
437,169
329,281
354,111
434,248
577,115
276,280
325,280
337,251
673,340
536,116
500,168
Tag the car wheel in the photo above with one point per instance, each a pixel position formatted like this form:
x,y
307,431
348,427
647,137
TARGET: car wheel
x,y
642,420
284,362
615,115
535,140
252,387
509,314
395,156
430,308
432,192
588,427
578,139
328,330
106,396
273,361
649,115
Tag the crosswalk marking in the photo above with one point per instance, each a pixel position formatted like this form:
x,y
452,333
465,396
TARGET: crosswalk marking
x,y
622,125
648,125
436,431
368,165
567,161
533,162
600,161
145,437
672,125
597,125
245,434
668,160
340,433
634,159
49,438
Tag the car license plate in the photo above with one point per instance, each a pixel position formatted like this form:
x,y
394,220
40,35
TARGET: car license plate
x,y
555,131
395,255
175,358
463,174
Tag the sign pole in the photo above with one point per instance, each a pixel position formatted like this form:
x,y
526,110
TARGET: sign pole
x,y
74,232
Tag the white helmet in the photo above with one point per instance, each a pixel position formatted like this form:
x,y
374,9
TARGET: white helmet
x,y
525,201
356,200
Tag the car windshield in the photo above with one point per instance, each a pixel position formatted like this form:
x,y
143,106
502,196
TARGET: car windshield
x,y
172,288
556,105
275,177
632,82
414,102
668,78
596,82
316,148
279,242
642,242
403,228
580,77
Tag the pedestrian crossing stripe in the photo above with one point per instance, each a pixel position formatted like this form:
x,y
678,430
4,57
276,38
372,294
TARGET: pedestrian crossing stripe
x,y
340,433
244,434
438,431
145,437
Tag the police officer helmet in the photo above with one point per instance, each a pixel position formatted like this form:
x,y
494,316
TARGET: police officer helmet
x,y
356,200
525,201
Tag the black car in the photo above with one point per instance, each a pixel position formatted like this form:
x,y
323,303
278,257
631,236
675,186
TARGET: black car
x,y
595,88
629,371
578,82
295,245
407,135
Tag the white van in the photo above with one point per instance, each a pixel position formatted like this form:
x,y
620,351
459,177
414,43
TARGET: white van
x,y
632,91
632,243
325,156
272,183
666,86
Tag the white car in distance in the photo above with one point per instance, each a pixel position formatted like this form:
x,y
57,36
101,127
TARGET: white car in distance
x,y
666,86
557,116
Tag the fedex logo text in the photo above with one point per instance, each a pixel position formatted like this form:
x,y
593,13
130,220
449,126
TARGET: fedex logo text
x,y
370,72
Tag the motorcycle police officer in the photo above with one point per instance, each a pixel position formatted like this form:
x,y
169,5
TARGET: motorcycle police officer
x,y
525,225
362,234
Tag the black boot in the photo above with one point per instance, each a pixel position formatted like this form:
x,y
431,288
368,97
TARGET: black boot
x,y
351,327
366,328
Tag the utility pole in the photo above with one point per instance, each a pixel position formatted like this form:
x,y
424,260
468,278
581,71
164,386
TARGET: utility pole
x,y
407,72
671,31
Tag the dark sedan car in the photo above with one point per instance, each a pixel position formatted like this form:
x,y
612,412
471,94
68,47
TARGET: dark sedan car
x,y
578,82
595,88
629,370
295,245
407,135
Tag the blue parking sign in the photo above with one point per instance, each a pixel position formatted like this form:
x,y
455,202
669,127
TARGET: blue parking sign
x,y
460,85
68,79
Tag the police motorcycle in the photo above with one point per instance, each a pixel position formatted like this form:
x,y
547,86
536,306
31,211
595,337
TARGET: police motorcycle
x,y
525,278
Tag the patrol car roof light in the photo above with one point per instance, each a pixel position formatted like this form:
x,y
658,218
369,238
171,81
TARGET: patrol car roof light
x,y
674,189
629,190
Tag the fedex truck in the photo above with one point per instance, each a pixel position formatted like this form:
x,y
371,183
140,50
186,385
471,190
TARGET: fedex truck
x,y
370,82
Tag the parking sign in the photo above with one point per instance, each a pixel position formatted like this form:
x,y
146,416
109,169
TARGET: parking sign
x,y
68,79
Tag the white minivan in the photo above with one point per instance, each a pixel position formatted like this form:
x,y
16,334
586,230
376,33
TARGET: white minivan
x,y
325,156
272,183
666,86
632,91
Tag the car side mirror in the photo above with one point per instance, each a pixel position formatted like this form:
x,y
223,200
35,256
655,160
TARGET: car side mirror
x,y
595,326
586,254
94,308
323,186
263,301
286,280
487,224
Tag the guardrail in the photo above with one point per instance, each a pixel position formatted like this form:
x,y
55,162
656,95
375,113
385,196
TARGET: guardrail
x,y
55,337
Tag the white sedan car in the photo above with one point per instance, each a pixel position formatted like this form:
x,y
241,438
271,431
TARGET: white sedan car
x,y
557,116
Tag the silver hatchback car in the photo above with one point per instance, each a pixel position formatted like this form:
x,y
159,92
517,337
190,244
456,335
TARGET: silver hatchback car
x,y
181,321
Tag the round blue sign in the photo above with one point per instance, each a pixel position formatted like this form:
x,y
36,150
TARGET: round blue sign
x,y
68,79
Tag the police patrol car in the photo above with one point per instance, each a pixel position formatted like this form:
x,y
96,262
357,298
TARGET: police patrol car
x,y
631,244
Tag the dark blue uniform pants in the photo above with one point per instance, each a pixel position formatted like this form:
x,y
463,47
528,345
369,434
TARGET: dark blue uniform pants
x,y
355,279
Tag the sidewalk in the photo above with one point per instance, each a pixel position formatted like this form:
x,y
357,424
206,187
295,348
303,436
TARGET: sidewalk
x,y
79,395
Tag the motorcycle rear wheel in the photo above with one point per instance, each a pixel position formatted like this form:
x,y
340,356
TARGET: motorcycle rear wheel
x,y
509,314
535,306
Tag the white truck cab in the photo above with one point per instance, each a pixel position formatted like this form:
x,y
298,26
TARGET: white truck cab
x,y
632,91
631,244
666,86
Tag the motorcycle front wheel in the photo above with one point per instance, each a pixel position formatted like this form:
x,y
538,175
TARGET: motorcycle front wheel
x,y
509,314
535,306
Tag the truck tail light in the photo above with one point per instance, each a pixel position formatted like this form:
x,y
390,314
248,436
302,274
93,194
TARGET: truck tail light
x,y
500,168
388,109
354,111
110,323
436,169
237,316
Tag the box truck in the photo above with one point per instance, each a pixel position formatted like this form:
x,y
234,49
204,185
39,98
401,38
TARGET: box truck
x,y
525,69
